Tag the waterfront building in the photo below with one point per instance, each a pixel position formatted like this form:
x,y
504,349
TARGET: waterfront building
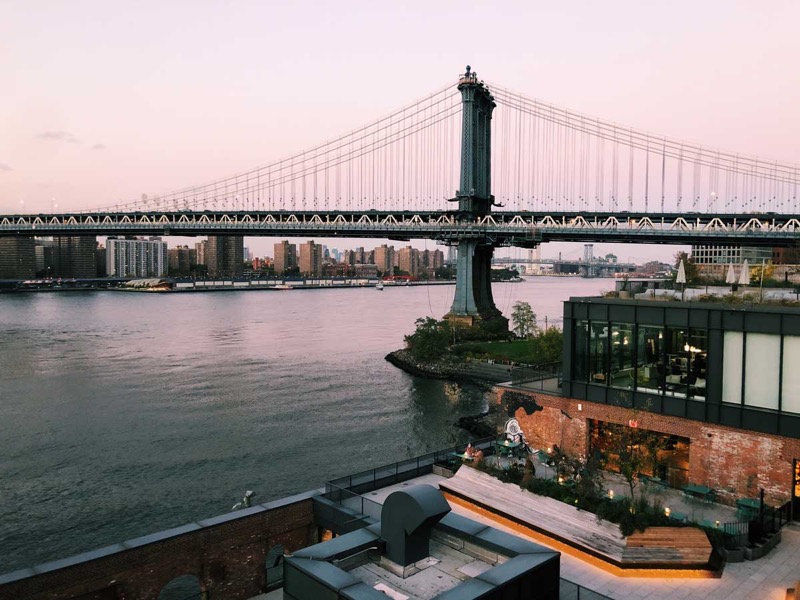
x,y
200,252
310,261
384,259
285,257
713,261
73,257
44,257
136,257
100,260
366,271
182,260
225,255
719,385
408,260
433,259
17,257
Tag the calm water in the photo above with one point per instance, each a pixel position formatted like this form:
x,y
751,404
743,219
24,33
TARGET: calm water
x,y
124,414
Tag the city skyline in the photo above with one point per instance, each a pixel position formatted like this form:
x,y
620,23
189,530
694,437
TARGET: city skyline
x,y
117,127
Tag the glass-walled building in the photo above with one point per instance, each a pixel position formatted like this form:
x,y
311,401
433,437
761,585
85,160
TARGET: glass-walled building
x,y
738,367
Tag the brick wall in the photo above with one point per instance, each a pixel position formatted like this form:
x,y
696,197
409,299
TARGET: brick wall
x,y
227,554
734,462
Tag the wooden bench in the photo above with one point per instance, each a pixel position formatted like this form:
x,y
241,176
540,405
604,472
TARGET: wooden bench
x,y
684,546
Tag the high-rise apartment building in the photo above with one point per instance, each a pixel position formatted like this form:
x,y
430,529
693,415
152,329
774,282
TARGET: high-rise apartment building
x,y
74,256
200,252
384,259
17,258
225,255
132,257
285,257
408,260
358,256
310,259
433,259
181,260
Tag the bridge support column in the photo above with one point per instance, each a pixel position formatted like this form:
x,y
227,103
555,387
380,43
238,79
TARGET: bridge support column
x,y
473,305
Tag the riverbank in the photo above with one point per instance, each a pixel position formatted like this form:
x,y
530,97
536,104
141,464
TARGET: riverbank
x,y
481,425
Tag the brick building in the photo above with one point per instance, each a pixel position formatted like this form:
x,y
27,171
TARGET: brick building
x,y
285,257
310,261
224,255
720,385
409,260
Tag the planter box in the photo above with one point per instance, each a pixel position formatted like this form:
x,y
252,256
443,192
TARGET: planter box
x,y
756,552
443,471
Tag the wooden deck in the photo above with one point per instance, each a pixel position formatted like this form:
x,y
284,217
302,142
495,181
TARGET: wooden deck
x,y
656,548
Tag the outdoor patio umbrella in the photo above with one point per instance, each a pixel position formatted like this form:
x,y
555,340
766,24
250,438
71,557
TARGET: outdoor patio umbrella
x,y
744,277
681,278
731,278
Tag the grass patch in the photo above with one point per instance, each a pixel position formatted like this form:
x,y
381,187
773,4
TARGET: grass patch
x,y
516,350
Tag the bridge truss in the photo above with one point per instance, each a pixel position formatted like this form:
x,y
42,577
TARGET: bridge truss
x,y
526,229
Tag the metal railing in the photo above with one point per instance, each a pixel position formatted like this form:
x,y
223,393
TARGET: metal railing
x,y
404,470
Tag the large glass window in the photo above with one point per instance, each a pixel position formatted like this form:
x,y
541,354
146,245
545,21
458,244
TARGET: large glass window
x,y
790,396
733,347
762,370
580,357
622,372
697,374
651,374
676,347
598,353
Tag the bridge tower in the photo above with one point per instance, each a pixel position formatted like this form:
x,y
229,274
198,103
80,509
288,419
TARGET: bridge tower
x,y
473,304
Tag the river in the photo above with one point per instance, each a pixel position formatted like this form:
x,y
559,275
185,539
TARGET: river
x,y
122,414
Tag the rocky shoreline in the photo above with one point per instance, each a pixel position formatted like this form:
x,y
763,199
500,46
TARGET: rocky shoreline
x,y
481,425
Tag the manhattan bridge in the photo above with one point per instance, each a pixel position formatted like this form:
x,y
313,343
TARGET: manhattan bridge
x,y
527,172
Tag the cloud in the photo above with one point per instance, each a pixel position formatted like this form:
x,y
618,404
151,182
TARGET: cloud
x,y
5,167
99,147
58,136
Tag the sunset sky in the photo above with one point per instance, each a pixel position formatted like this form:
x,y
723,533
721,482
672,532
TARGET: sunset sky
x,y
104,101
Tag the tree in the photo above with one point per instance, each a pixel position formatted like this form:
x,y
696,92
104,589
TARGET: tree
x,y
692,271
547,346
524,320
430,340
635,450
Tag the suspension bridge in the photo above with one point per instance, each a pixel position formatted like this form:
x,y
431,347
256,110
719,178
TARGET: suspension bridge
x,y
528,173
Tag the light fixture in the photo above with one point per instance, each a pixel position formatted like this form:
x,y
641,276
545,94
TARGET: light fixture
x,y
667,511
611,494
560,479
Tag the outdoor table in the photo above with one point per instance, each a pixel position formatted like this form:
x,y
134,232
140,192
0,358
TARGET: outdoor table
x,y
509,447
678,516
700,491
462,456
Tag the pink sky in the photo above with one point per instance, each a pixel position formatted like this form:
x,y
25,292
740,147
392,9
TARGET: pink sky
x,y
104,101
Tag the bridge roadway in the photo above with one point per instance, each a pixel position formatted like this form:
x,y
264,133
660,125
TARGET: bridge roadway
x,y
525,229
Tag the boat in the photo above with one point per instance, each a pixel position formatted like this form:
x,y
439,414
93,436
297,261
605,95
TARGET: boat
x,y
515,280
379,286
282,286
